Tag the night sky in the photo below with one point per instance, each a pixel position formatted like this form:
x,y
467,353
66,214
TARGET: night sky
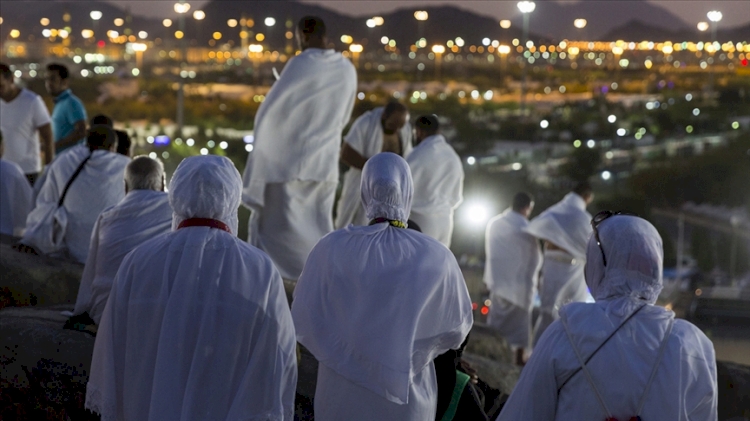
x,y
736,12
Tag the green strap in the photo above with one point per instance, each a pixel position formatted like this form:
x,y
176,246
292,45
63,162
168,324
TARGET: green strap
x,y
462,379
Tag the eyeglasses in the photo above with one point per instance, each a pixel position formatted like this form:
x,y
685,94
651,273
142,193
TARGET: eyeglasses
x,y
598,219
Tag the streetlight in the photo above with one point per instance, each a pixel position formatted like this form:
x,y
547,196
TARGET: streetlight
x,y
526,7
438,50
95,15
703,26
421,15
199,15
356,49
139,49
167,23
715,17
269,21
256,50
181,8
504,50
580,23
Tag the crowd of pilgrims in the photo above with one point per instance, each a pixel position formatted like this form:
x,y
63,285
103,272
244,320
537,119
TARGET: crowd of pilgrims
x,y
193,323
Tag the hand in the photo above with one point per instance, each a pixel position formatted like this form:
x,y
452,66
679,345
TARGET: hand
x,y
23,248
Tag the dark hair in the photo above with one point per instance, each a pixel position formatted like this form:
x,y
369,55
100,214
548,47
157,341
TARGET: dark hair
x,y
101,119
583,189
428,124
392,108
123,142
101,136
5,72
522,201
61,70
312,26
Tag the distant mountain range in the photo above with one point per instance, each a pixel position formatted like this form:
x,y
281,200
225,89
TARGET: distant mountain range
x,y
635,20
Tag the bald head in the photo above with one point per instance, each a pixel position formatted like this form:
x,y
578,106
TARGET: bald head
x,y
144,173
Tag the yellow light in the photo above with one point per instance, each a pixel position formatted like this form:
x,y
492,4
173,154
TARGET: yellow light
x,y
289,35
44,21
438,49
702,26
179,34
379,21
347,39
356,48
181,7
421,15
217,35
580,23
64,34
504,49
255,48
667,49
199,15
573,51
648,64
260,37
505,23
232,23
15,33
249,23
113,34
617,51
87,33
120,22
1,20
167,23
66,17
139,47
244,34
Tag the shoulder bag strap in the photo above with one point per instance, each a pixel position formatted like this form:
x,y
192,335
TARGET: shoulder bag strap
x,y
586,372
662,348
462,380
72,178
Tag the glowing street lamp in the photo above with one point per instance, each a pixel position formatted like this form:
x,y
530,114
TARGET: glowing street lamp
x,y
526,7
703,26
378,20
504,50
356,49
44,21
255,48
199,15
96,15
505,23
119,22
167,23
421,15
580,23
139,49
181,8
269,21
715,17
87,33
438,50
370,23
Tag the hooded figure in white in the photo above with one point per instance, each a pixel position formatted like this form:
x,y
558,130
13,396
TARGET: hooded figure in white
x,y
143,214
384,129
291,175
376,304
511,273
663,366
15,197
197,325
99,185
565,227
438,181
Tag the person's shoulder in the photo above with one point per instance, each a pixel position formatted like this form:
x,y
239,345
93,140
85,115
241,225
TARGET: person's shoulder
x,y
687,332
30,95
11,168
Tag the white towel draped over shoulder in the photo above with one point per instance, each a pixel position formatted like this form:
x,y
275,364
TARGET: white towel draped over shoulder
x,y
15,199
298,127
197,325
365,137
565,224
513,259
139,217
100,184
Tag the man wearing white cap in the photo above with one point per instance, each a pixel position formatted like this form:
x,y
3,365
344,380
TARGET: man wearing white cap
x,y
197,325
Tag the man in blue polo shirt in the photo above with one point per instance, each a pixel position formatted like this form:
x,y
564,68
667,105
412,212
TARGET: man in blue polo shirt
x,y
69,116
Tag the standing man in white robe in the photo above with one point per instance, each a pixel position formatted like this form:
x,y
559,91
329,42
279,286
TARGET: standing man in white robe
x,y
376,304
384,129
638,356
197,325
511,273
99,185
565,228
15,196
143,214
291,176
438,180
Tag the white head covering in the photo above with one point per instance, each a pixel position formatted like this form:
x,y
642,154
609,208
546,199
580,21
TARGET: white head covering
x,y
206,187
387,187
634,253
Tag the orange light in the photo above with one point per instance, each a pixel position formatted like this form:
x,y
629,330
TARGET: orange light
x,y
485,310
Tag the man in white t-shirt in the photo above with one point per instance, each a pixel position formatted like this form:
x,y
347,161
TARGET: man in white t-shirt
x,y
24,120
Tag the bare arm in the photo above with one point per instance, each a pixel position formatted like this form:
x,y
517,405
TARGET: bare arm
x,y
48,144
78,133
351,157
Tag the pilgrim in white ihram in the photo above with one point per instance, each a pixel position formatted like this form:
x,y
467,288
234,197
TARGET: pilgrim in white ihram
x,y
197,325
639,360
15,199
376,304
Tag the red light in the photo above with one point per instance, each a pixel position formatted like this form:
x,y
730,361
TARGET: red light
x,y
485,310
474,306
100,44
744,62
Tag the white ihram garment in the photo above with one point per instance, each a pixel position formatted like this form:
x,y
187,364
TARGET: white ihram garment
x,y
376,304
197,326
511,275
438,187
297,144
100,184
15,199
684,386
567,225
139,217
365,137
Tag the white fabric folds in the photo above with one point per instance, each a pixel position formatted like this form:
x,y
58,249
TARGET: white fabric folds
x,y
15,199
438,187
139,217
684,389
365,137
376,304
197,325
565,224
100,184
